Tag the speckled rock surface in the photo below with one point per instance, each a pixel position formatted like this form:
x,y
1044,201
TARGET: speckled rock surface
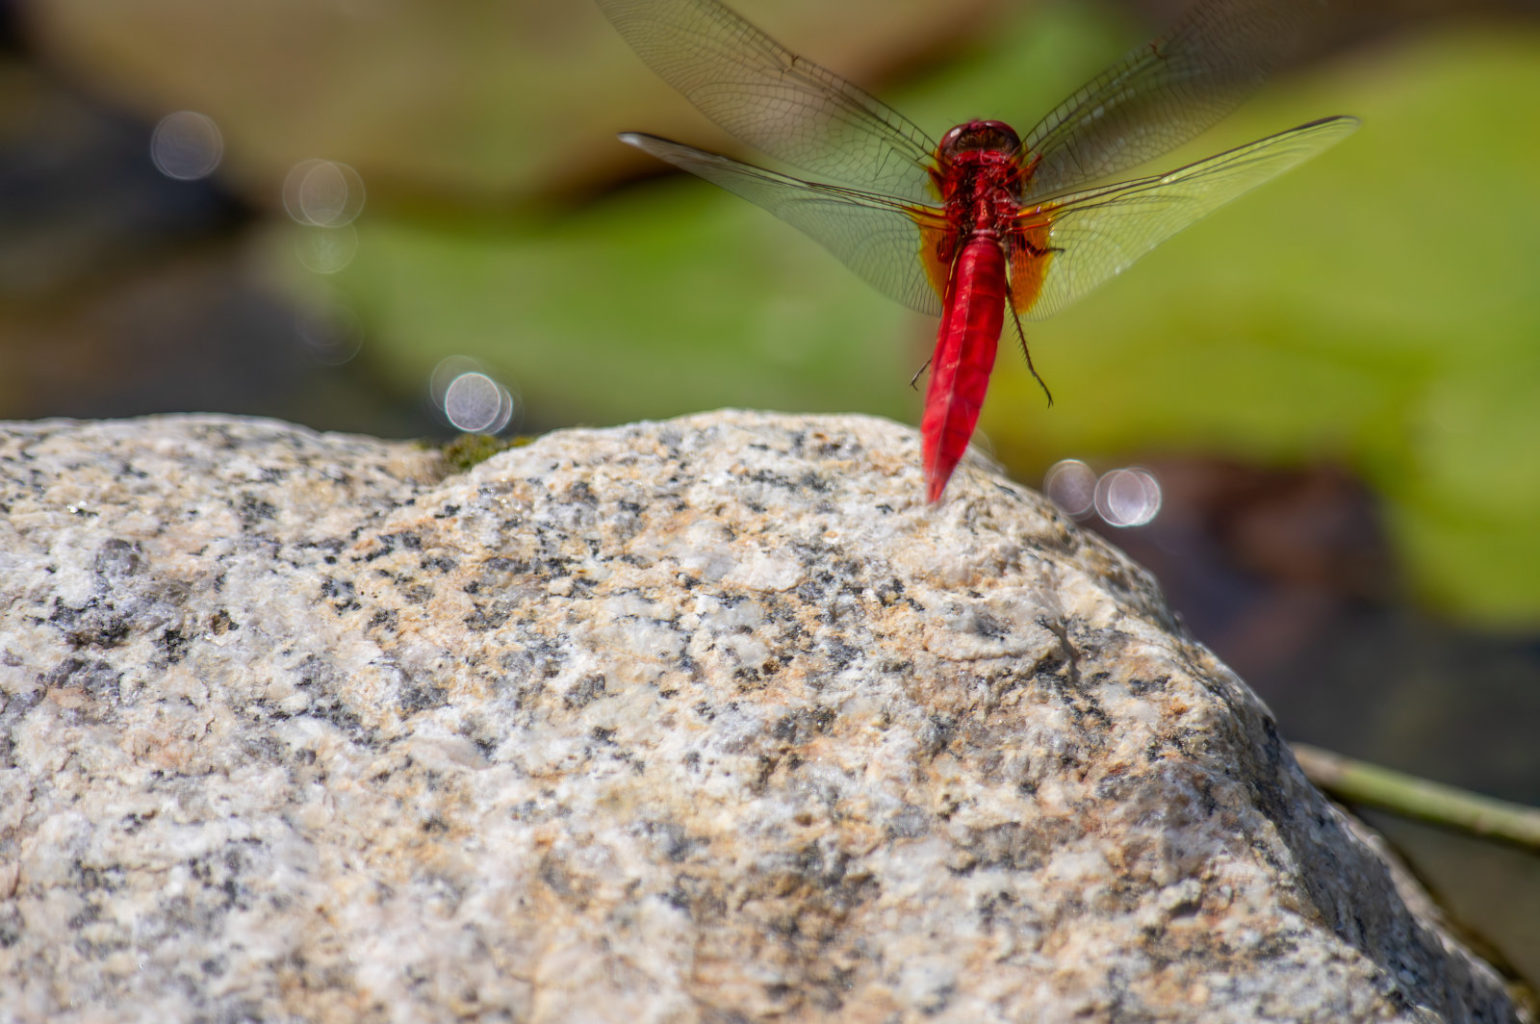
x,y
703,721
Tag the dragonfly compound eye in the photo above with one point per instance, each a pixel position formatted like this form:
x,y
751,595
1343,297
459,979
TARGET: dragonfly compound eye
x,y
974,135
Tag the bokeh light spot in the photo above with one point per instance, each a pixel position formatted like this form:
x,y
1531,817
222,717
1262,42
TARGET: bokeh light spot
x,y
323,193
1071,485
477,404
466,394
186,145
330,332
327,250
1128,497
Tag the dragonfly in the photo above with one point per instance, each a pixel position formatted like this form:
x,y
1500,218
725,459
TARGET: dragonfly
x,y
985,221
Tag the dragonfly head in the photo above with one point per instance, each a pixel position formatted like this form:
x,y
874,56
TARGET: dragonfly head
x,y
980,135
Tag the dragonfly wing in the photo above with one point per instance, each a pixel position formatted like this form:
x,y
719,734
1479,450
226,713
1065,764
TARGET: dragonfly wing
x,y
878,237
1094,235
1167,91
774,100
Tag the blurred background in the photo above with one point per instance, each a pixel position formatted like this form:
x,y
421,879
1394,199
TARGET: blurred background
x,y
411,217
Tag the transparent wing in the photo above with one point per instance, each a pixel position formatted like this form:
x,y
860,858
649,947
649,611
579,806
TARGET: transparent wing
x,y
877,237
1167,91
1094,235
773,100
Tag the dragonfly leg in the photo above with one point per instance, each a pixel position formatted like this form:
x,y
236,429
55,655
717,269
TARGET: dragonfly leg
x,y
917,373
1022,337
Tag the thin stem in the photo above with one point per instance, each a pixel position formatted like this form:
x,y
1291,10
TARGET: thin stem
x,y
1358,782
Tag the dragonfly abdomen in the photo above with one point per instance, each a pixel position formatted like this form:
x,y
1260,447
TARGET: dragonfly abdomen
x,y
972,313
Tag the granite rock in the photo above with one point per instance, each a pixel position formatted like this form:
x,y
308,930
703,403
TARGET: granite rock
x,y
711,720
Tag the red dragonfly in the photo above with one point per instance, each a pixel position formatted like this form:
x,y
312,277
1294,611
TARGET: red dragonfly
x,y
984,220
